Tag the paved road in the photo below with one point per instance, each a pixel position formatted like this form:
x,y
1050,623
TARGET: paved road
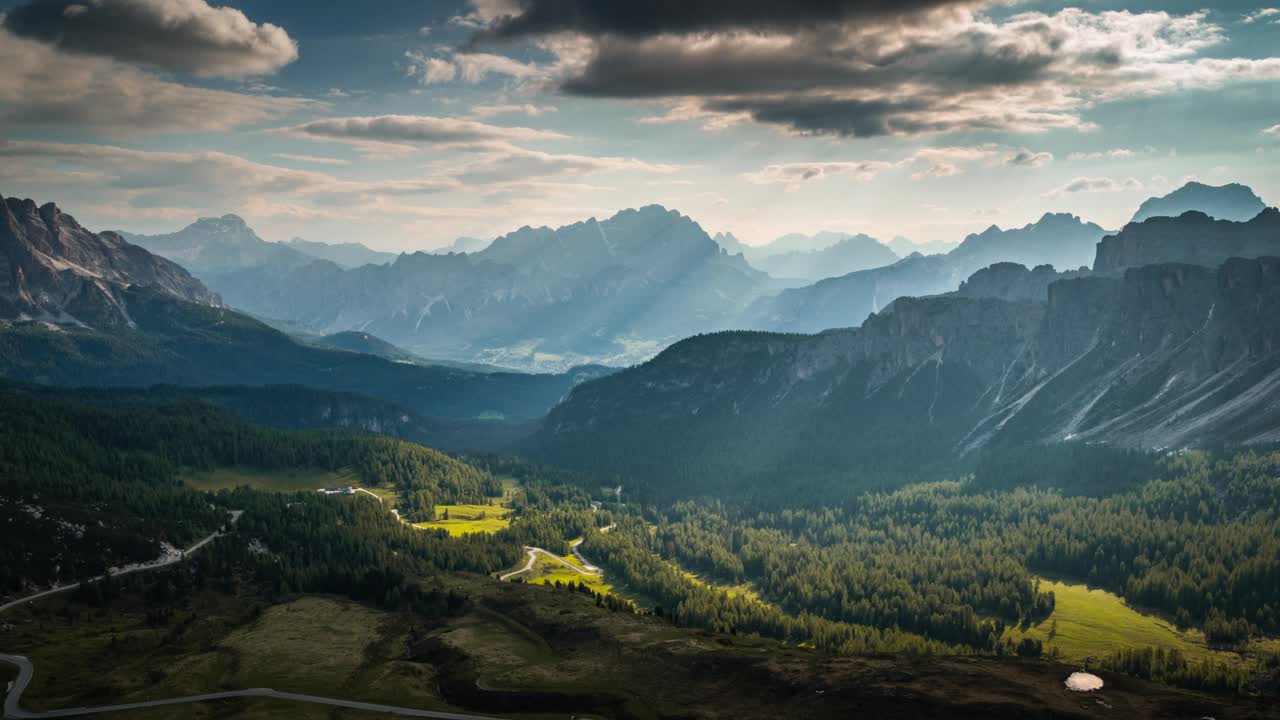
x,y
533,553
13,698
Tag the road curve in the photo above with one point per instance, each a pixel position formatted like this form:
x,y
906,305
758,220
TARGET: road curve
x,y
13,698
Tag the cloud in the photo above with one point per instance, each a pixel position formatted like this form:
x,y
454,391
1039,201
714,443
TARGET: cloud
x,y
178,35
473,67
1114,154
792,174
1095,185
889,73
311,159
1027,158
627,18
507,163
485,111
1273,130
1271,15
387,134
429,70
41,86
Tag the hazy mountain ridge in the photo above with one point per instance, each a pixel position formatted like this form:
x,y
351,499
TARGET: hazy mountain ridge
x,y
53,269
538,297
844,301
849,254
1225,202
348,254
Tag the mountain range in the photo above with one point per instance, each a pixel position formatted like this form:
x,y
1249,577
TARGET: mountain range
x,y
1061,240
1161,355
80,308
614,290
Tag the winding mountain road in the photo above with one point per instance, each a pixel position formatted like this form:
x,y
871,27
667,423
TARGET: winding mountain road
x,y
13,698
533,553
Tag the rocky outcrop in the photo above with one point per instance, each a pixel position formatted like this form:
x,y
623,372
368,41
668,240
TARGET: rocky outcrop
x,y
1012,281
1192,237
53,269
1224,202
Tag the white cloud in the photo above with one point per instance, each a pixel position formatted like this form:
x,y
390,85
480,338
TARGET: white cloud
x,y
791,174
1271,15
181,35
1273,130
311,159
1095,185
429,70
484,111
397,135
1114,154
41,86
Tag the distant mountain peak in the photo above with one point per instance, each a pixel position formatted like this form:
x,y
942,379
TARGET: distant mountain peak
x,y
1223,202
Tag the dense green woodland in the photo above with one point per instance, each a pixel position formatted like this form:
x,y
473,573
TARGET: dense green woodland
x,y
936,567
100,481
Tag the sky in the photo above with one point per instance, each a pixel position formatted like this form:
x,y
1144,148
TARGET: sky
x,y
405,124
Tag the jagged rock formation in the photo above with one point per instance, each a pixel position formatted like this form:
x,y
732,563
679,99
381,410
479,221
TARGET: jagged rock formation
x,y
53,269
1225,202
1192,237
1163,356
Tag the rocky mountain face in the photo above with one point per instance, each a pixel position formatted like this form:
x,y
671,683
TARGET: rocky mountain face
x,y
614,290
347,255
1063,241
53,269
1193,237
1168,355
850,254
1014,282
1224,202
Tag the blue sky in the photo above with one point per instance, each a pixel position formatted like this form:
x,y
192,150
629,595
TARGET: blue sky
x,y
406,124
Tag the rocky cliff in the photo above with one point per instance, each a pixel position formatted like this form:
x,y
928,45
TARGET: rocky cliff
x,y
1192,237
53,269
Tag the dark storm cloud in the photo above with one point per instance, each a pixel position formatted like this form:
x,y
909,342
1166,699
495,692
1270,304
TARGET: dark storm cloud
x,y
638,19
828,116
735,64
182,35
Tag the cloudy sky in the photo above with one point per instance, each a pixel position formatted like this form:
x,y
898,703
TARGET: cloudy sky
x,y
406,123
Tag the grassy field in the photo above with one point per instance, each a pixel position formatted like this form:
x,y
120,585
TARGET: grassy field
x,y
269,480
1095,623
548,571
465,519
